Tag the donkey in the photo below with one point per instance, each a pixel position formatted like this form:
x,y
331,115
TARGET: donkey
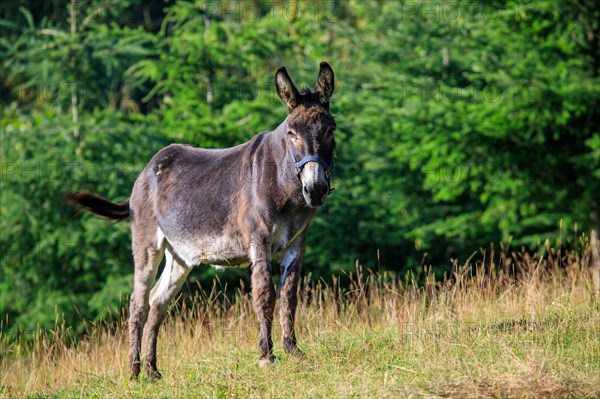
x,y
240,206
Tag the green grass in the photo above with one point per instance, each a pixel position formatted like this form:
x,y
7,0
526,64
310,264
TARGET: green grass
x,y
479,333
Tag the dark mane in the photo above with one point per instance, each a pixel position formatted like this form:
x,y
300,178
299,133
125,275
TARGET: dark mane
x,y
307,97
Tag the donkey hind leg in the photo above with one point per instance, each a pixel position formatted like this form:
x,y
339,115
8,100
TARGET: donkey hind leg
x,y
147,256
263,300
167,287
290,277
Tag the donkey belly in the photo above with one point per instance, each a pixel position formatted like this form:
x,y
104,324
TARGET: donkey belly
x,y
217,251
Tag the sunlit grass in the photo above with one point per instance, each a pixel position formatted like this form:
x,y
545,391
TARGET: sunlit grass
x,y
508,325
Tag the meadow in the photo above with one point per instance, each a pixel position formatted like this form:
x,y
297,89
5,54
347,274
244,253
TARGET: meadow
x,y
506,323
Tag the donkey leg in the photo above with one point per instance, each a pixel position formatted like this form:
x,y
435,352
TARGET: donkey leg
x,y
290,277
167,287
147,254
263,300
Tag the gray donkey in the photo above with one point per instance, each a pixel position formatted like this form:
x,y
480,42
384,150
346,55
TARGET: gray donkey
x,y
239,206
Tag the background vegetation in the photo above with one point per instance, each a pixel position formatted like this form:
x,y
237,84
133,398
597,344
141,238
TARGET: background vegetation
x,y
460,124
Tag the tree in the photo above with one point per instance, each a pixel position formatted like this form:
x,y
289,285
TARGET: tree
x,y
459,124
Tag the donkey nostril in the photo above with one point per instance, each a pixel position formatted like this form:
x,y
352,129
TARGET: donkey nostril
x,y
324,197
322,190
317,193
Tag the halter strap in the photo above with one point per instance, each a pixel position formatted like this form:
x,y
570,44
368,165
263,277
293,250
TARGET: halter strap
x,y
312,158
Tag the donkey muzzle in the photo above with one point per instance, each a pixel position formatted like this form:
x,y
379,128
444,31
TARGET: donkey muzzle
x,y
315,183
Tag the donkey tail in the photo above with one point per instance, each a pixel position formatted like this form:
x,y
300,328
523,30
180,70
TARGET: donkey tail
x,y
98,205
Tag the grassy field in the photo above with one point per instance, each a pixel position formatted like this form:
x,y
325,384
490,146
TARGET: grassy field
x,y
504,325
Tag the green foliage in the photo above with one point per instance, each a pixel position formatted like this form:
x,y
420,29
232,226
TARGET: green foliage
x,y
50,255
469,125
458,125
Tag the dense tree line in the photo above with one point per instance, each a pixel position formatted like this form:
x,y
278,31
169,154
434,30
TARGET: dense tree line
x,y
459,124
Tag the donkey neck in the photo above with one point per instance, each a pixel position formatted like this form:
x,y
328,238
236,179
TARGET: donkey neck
x,y
286,162
287,192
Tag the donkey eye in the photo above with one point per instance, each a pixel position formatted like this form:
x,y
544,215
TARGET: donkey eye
x,y
293,135
329,132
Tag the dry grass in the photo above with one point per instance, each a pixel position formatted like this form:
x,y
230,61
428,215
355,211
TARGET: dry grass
x,y
508,325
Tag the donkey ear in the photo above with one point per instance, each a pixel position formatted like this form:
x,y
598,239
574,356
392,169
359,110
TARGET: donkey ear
x,y
286,89
325,83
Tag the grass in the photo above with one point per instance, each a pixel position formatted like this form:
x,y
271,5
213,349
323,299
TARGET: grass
x,y
507,325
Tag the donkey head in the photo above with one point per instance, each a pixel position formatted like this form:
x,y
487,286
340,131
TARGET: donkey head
x,y
310,138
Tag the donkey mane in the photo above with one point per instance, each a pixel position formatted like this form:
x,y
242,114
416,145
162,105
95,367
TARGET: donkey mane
x,y
309,98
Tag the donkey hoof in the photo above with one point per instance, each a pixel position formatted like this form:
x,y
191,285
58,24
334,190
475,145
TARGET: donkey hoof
x,y
289,344
154,375
266,361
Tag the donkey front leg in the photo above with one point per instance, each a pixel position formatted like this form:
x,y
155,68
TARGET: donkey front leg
x,y
290,276
171,280
263,300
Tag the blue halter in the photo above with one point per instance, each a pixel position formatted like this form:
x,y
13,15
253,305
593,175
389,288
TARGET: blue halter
x,y
313,158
